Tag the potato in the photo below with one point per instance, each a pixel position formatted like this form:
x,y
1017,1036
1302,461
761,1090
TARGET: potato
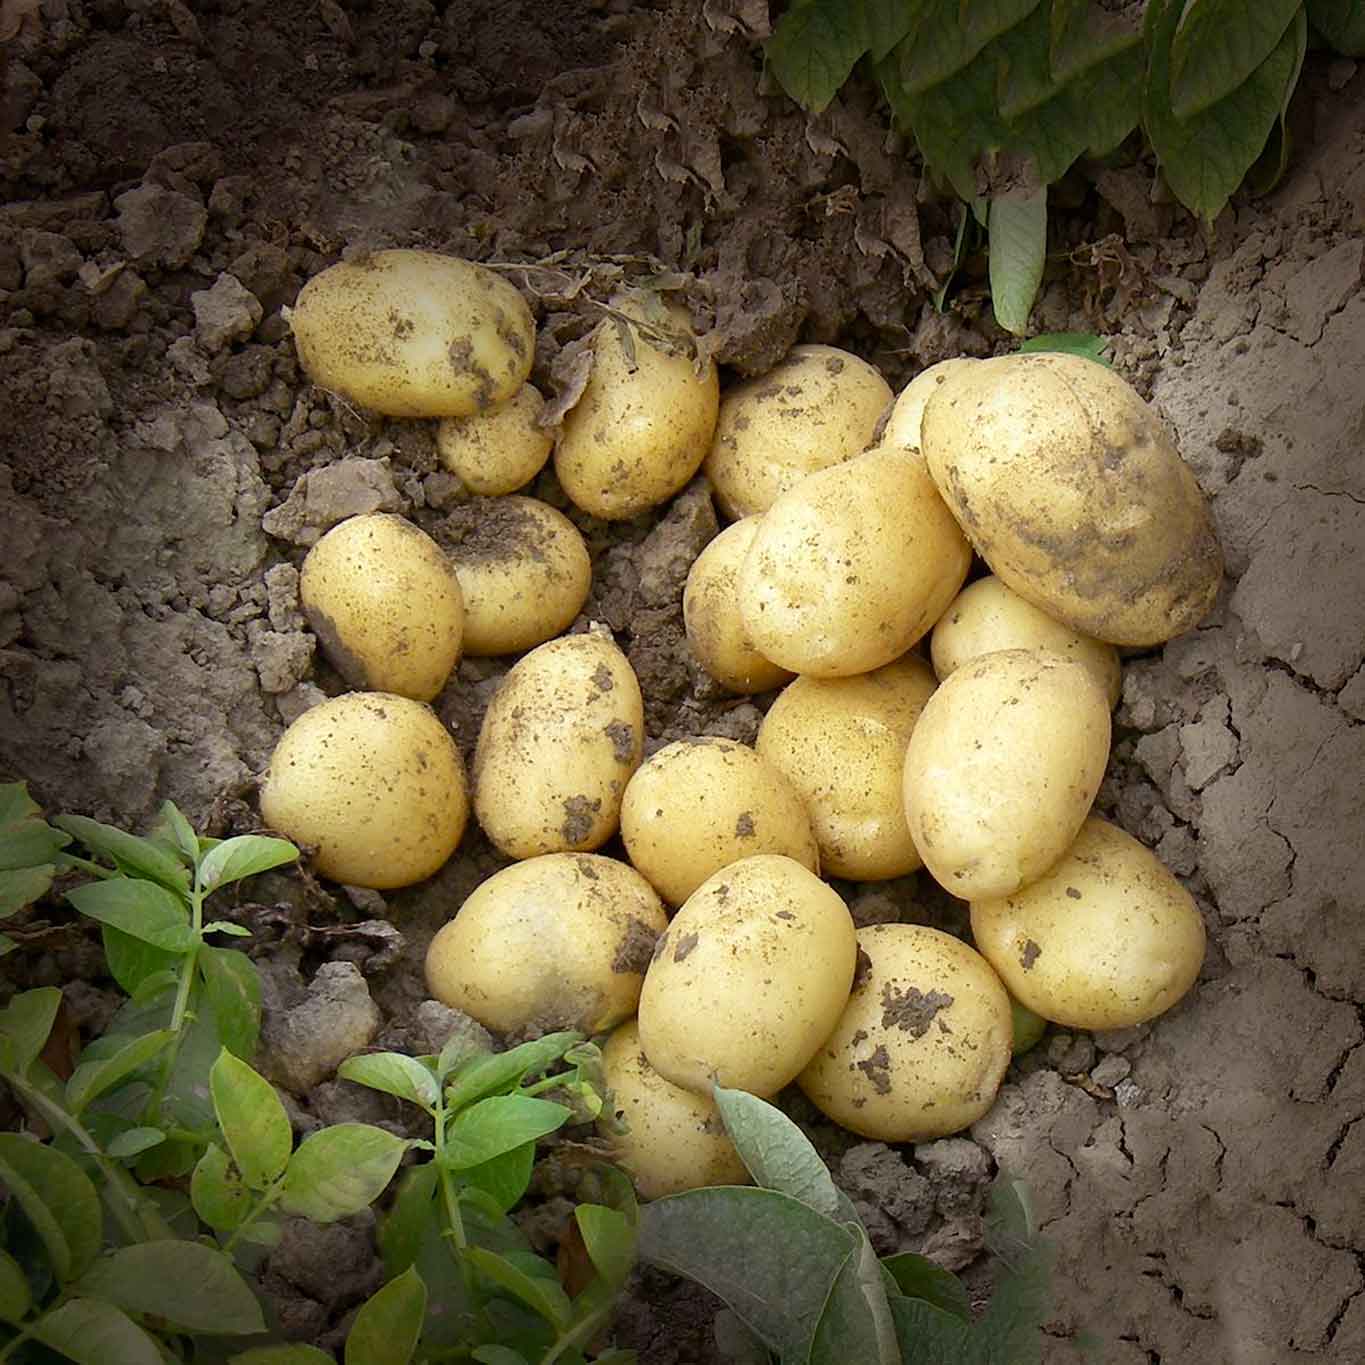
x,y
852,566
749,979
674,1140
923,1044
499,450
1106,939
903,417
385,604
1002,767
644,422
559,742
523,568
1071,490
819,407
842,742
986,616
374,783
414,334
556,942
699,805
711,616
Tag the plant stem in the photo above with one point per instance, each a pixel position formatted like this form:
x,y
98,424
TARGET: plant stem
x,y
450,1198
262,1205
188,965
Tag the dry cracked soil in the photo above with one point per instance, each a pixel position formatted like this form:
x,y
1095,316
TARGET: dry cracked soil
x,y
172,174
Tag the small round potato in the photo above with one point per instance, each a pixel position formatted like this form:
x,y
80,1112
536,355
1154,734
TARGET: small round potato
x,y
644,422
374,783
1106,939
559,742
556,942
986,616
674,1140
852,566
414,334
819,407
500,450
749,979
842,742
903,418
1002,767
523,568
385,604
711,616
699,805
923,1044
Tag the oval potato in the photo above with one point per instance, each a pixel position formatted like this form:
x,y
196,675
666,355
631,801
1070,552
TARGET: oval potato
x,y
904,416
500,450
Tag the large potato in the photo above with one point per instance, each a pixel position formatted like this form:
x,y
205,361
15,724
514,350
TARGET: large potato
x,y
852,566
559,742
1071,490
374,783
556,942
820,406
842,743
499,450
414,334
1002,767
1106,939
903,418
923,1043
749,979
385,604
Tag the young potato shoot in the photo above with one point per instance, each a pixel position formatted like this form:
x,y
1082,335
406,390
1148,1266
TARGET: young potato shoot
x,y
903,418
385,604
375,784
500,450
699,805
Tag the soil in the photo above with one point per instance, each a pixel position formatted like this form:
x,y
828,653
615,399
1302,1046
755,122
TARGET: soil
x,y
172,175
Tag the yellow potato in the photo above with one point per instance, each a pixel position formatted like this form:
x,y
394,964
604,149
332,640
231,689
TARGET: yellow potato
x,y
700,804
711,616
524,572
1071,490
1106,939
374,783
842,743
556,942
923,1044
414,334
499,450
819,407
559,742
385,604
986,616
749,979
903,418
852,566
1002,767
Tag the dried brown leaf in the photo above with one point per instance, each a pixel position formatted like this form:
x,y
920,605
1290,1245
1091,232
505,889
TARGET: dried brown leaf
x,y
571,370
17,15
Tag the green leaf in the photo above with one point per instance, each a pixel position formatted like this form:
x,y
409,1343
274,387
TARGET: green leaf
x,y
1342,23
814,48
22,887
1010,1328
232,987
90,1332
134,857
609,1236
930,1336
244,856
1083,35
340,1170
499,1355
459,1050
497,1125
857,1322
175,829
541,1294
1018,237
948,34
226,926
58,1199
27,841
499,1071
134,964
217,1192
1084,344
394,1074
91,1079
505,1178
1218,44
143,909
282,1355
917,1277
133,1141
16,1298
413,1213
386,1330
254,1123
26,1023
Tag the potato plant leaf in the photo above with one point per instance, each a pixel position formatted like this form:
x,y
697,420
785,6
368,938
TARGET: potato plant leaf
x,y
1084,344
25,1025
497,1125
389,1323
91,1332
394,1073
27,841
1009,1329
16,1297
504,1178
340,1170
133,1142
931,1336
172,826
1018,249
90,1080
413,1213
948,35
499,1355
142,909
1342,23
232,990
59,1200
917,1277
540,1293
499,1071
1218,44
282,1355
133,963
856,1323
254,1123
609,1237
814,48
134,857
244,856
1083,34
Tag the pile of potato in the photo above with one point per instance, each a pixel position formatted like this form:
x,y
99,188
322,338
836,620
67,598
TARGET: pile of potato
x,y
717,952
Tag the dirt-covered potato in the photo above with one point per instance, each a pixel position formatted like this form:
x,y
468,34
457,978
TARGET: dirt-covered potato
x,y
852,566
986,616
819,407
842,743
674,1140
749,978
385,604
500,450
1071,490
699,805
375,783
556,942
903,417
1106,938
645,420
1002,767
414,334
559,742
523,568
711,616
923,1043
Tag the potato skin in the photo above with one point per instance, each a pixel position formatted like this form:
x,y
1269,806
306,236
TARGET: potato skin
x,y
414,334
903,418
500,450
1071,490
1106,939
